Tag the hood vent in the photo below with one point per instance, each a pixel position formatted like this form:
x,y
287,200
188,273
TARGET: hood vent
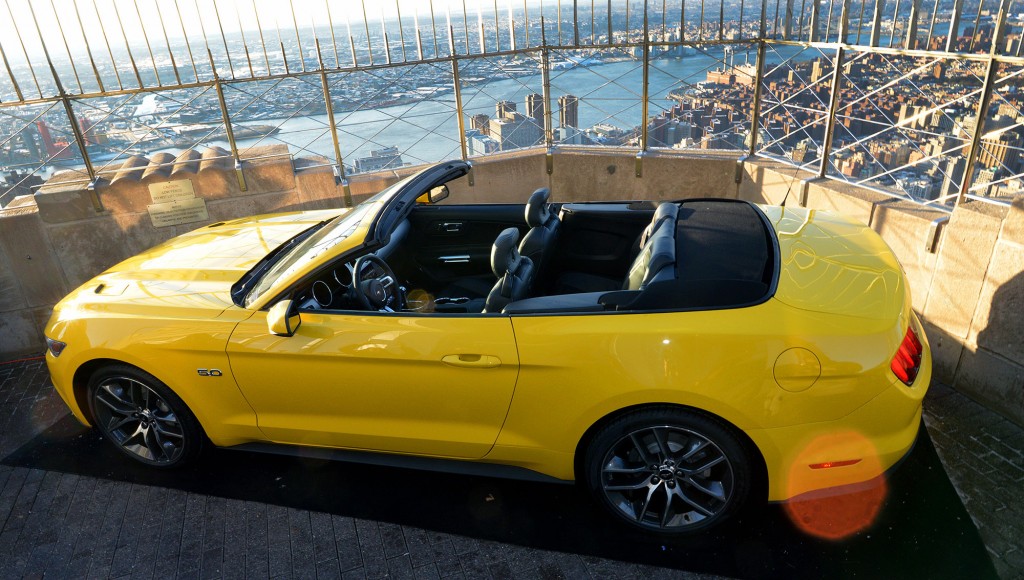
x,y
110,290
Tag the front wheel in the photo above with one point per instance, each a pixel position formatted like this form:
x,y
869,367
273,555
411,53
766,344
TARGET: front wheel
x,y
668,470
143,418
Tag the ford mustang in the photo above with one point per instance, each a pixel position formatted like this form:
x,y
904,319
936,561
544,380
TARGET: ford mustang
x,y
680,360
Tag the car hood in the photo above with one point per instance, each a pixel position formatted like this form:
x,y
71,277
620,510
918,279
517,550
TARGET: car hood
x,y
195,270
833,264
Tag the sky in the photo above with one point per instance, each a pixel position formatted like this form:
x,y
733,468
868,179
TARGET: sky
x,y
140,18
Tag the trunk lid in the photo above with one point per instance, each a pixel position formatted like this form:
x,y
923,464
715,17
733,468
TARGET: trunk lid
x,y
830,263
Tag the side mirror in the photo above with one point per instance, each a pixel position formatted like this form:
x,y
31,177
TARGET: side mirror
x,y
283,318
435,195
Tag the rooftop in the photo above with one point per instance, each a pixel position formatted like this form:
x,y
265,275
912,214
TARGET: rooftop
x,y
906,116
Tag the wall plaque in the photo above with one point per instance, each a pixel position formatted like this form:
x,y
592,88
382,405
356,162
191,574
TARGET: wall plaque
x,y
167,191
174,213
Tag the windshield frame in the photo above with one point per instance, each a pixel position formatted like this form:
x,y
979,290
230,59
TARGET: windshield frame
x,y
392,203
298,253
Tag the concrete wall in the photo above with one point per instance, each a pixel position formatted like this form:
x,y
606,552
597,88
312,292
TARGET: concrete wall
x,y
969,291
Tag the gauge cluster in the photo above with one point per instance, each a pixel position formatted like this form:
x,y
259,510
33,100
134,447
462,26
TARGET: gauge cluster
x,y
331,291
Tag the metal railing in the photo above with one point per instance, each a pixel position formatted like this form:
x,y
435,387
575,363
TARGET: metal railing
x,y
913,98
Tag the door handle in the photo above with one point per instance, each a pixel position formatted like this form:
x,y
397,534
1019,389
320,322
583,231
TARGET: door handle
x,y
460,259
449,227
479,361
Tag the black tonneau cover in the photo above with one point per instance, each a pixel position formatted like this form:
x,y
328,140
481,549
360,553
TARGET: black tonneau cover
x,y
724,253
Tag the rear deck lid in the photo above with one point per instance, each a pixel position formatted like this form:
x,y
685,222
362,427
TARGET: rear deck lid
x,y
834,264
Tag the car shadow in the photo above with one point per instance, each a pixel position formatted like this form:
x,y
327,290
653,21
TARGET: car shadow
x,y
922,528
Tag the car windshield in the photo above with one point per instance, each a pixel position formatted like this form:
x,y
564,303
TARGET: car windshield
x,y
335,232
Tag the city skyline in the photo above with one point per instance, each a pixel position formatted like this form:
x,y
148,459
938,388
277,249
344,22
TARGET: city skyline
x,y
706,106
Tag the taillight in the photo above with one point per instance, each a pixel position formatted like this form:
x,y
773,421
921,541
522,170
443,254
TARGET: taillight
x,y
907,360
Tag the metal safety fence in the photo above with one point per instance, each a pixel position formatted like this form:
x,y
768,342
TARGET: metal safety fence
x,y
918,99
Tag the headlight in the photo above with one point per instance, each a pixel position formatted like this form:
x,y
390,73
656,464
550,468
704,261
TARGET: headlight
x,y
55,346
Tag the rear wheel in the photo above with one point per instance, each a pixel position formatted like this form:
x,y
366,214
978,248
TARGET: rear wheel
x,y
667,470
143,418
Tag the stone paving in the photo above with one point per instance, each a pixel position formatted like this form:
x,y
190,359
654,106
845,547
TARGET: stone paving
x,y
63,525
984,458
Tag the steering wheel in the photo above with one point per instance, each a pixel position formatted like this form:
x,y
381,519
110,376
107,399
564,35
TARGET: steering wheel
x,y
376,292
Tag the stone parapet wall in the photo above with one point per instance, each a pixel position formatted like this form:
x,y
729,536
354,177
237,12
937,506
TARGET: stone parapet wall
x,y
969,290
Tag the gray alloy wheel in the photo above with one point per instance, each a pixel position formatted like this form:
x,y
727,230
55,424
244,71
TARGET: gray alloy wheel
x,y
668,472
143,418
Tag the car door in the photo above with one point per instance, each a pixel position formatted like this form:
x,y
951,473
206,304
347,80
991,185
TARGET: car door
x,y
410,383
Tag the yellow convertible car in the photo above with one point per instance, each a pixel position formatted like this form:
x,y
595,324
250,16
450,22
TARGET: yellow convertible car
x,y
678,359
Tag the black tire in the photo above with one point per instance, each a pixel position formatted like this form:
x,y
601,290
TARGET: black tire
x,y
143,418
700,482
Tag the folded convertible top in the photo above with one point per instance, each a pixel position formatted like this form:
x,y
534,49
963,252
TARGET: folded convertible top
x,y
724,252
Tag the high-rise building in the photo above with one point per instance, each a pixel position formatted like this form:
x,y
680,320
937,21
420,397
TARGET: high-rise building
x,y
817,70
514,131
481,123
480,143
386,158
571,136
504,109
805,151
952,174
535,108
568,111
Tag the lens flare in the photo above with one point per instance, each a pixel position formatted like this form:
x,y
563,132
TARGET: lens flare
x,y
836,458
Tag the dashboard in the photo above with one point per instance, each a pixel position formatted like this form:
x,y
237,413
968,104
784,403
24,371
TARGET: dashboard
x,y
374,287
331,291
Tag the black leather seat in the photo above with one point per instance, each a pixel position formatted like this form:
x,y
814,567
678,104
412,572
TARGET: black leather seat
x,y
576,282
658,253
515,272
539,243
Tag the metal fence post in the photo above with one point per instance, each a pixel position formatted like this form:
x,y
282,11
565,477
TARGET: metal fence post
x,y
972,153
876,23
339,169
549,133
815,33
76,131
756,106
458,106
910,43
10,74
545,76
844,21
787,31
833,106
218,85
954,25
94,195
644,95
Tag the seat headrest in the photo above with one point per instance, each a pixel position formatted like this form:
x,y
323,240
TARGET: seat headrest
x,y
505,252
659,252
665,212
537,211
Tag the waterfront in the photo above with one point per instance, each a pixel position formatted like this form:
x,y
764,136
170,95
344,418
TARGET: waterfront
x,y
427,130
